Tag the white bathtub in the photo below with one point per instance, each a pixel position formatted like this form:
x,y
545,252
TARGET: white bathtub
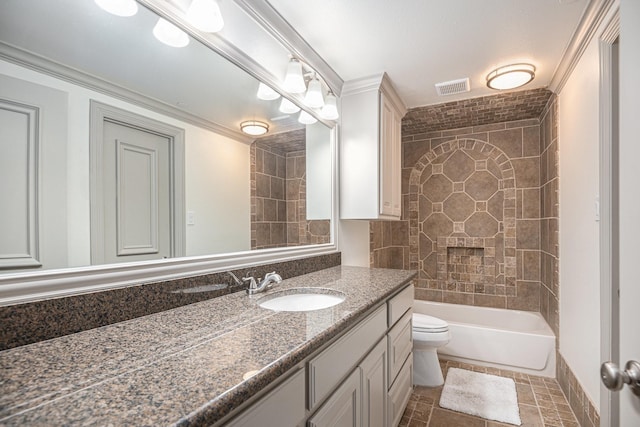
x,y
505,339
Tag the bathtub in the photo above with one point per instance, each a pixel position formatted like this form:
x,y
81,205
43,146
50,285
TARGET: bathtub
x,y
505,339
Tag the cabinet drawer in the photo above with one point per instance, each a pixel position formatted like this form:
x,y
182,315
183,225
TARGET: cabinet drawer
x,y
282,406
400,392
399,304
400,344
328,368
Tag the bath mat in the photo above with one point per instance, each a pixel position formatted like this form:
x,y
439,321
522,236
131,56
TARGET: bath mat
x,y
482,395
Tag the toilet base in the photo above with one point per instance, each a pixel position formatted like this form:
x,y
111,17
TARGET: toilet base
x,y
426,368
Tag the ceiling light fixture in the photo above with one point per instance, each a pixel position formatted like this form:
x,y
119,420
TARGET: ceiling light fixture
x,y
511,76
169,34
294,80
119,7
330,109
254,127
205,15
266,93
306,118
288,107
314,98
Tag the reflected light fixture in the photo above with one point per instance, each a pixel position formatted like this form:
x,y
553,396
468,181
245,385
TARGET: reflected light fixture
x,y
314,98
511,76
169,34
306,118
205,15
254,127
288,107
119,7
294,80
266,93
330,109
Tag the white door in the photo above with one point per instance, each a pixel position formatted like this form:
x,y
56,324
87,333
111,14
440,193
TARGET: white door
x,y
629,215
136,192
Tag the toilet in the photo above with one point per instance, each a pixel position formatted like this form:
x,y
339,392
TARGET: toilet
x,y
429,333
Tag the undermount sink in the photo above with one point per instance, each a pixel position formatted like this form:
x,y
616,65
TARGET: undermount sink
x,y
301,299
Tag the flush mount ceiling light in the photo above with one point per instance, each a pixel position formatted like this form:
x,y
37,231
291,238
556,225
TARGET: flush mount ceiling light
x,y
511,76
169,34
288,107
314,98
119,7
306,118
294,80
205,15
330,109
266,93
254,127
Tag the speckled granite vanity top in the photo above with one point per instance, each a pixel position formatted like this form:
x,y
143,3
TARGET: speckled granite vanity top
x,y
183,366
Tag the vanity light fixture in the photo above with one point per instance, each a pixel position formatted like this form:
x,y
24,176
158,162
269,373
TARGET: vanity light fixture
x,y
511,76
288,107
294,80
119,7
330,109
266,93
306,118
254,127
169,34
314,98
205,15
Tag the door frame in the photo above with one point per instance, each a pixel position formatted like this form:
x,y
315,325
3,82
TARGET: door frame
x,y
99,113
609,227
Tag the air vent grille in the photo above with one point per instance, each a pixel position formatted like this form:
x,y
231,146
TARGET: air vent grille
x,y
453,86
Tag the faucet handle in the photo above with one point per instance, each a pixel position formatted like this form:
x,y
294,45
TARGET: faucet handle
x,y
252,282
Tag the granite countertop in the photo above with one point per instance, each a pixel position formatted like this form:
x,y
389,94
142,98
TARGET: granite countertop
x,y
183,366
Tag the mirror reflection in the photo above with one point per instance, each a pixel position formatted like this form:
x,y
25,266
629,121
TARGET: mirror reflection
x,y
116,147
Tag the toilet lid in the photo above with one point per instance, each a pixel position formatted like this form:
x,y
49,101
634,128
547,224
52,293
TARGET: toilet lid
x,y
422,322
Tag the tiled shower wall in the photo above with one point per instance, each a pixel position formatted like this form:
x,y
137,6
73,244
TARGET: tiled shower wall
x,y
278,194
471,192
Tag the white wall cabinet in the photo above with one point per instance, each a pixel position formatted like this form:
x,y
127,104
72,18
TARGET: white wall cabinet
x,y
350,382
371,150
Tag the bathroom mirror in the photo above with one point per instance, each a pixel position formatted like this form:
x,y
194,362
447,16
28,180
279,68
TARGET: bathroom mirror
x,y
78,85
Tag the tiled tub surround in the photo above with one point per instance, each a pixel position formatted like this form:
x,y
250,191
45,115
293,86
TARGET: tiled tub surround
x,y
184,365
41,320
278,194
475,188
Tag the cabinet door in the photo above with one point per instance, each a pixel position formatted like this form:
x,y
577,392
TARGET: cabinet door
x,y
374,386
342,409
390,161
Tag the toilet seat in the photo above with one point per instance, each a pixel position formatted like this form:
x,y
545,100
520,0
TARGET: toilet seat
x,y
428,324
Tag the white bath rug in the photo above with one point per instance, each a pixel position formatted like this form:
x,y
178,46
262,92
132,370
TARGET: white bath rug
x,y
482,395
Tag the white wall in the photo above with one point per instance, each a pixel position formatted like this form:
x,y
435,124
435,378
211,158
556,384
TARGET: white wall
x,y
578,121
217,184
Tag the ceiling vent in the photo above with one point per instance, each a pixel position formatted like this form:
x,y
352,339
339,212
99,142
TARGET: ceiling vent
x,y
453,87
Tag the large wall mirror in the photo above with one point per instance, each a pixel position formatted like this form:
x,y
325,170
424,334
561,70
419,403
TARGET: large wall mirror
x,y
116,147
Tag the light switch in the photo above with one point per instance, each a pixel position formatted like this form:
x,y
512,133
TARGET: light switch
x,y
191,218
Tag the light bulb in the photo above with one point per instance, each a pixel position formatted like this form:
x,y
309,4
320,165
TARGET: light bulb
x,y
288,107
119,7
330,109
314,98
266,93
205,15
293,80
169,34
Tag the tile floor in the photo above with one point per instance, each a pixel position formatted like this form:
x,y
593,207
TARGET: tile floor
x,y
541,403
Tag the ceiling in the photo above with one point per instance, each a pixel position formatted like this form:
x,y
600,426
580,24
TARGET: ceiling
x,y
422,42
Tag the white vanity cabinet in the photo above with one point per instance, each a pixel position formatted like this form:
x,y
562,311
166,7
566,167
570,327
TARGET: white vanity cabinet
x,y
371,150
361,379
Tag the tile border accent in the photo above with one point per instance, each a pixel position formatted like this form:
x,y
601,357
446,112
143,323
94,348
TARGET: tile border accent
x,y
585,410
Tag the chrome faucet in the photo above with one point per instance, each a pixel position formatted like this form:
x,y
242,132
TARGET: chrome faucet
x,y
261,285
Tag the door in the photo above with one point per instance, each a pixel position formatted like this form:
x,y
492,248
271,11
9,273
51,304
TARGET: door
x,y
629,215
136,194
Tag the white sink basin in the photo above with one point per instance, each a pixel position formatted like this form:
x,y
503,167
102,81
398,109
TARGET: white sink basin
x,y
301,299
